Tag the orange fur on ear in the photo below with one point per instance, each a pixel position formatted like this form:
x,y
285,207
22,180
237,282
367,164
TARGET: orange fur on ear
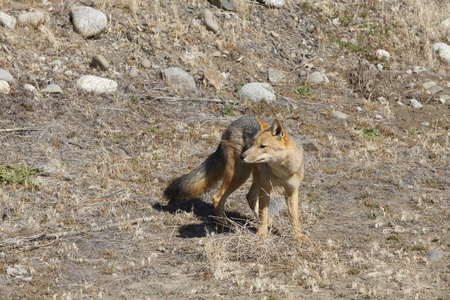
x,y
261,123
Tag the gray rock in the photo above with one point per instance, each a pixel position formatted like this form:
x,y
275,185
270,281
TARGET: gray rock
x,y
53,88
378,117
275,75
383,54
34,18
11,271
29,87
274,3
418,69
6,76
444,98
224,4
442,50
317,77
27,279
435,254
88,21
7,20
207,18
340,115
95,84
99,61
179,79
435,89
446,24
416,104
428,84
146,64
257,92
133,72
4,87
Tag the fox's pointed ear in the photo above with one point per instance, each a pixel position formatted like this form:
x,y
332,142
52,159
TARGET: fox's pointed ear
x,y
261,122
277,129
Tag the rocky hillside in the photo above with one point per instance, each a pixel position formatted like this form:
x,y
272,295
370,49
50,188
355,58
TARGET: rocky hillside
x,y
103,102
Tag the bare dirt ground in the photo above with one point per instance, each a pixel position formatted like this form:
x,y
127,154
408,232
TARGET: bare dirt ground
x,y
92,223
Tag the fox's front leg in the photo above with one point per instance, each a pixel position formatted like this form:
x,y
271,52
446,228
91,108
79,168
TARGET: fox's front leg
x,y
264,199
292,204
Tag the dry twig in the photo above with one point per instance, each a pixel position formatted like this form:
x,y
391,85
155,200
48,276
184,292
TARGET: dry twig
x,y
20,241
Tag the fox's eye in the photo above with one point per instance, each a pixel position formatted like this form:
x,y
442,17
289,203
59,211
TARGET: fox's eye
x,y
262,146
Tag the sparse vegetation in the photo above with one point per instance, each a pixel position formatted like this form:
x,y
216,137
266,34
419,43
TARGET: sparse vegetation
x,y
372,132
304,90
11,174
93,223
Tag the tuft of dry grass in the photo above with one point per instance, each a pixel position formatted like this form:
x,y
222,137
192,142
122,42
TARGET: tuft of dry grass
x,y
276,263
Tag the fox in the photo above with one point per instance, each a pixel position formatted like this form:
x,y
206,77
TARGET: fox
x,y
261,147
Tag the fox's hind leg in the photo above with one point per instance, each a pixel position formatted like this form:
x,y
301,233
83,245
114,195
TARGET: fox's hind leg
x,y
235,174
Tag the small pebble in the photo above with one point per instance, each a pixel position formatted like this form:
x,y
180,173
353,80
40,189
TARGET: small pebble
x,y
133,72
146,64
416,104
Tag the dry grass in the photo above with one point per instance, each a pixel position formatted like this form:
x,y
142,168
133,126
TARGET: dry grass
x,y
93,223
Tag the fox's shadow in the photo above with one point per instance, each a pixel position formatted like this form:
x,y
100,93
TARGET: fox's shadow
x,y
204,212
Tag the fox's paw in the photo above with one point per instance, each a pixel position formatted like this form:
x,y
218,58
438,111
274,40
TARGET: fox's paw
x,y
301,238
262,232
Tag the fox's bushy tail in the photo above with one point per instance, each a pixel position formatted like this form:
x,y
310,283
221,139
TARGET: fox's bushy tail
x,y
200,180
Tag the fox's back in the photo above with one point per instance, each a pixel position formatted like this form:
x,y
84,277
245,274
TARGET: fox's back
x,y
243,130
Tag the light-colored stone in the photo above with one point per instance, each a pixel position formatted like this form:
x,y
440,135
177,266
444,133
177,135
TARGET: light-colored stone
x,y
29,87
435,254
274,3
88,21
53,88
446,24
95,84
418,69
383,54
146,64
444,98
275,75
442,50
4,87
6,76
340,115
435,89
416,104
207,18
257,92
133,72
317,78
428,84
34,18
179,79
7,20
